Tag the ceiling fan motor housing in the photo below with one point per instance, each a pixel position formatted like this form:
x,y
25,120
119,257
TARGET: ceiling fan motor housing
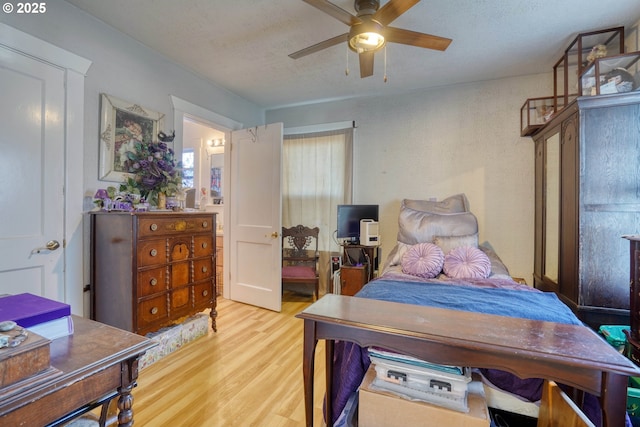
x,y
366,7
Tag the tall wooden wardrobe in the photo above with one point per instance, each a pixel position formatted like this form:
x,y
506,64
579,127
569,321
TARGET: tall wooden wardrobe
x,y
587,196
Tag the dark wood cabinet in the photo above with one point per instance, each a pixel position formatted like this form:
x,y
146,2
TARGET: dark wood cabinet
x,y
360,266
151,269
634,286
585,201
352,279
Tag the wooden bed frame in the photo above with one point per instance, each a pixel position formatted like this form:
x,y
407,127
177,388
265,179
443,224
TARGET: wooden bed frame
x,y
572,355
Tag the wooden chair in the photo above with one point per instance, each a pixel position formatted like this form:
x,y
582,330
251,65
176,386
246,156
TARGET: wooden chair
x,y
300,257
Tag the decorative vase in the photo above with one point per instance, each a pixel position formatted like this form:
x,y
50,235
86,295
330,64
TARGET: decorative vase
x,y
162,201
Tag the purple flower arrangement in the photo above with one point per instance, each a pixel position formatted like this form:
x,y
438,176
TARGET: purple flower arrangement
x,y
155,171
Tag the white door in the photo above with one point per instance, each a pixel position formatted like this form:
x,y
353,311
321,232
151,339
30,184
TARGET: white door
x,y
255,214
32,115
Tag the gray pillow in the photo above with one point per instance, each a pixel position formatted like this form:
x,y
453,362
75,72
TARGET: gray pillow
x,y
419,227
453,204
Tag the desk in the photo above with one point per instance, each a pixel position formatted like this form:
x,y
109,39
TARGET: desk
x,y
569,354
96,364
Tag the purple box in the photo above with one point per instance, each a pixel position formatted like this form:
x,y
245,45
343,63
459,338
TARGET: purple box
x,y
28,309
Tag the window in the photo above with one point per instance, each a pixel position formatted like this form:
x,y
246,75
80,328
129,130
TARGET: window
x,y
317,170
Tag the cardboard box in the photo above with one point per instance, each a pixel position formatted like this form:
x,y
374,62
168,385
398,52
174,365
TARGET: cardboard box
x,y
381,409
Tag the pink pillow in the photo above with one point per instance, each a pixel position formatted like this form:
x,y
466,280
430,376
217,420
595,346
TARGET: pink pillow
x,y
467,262
423,260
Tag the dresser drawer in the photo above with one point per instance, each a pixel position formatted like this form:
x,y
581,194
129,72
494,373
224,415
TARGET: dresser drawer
x,y
152,310
203,293
152,252
152,281
156,226
203,246
202,269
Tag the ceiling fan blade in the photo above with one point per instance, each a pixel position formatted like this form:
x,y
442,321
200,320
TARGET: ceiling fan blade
x,y
366,64
394,8
335,11
319,46
413,38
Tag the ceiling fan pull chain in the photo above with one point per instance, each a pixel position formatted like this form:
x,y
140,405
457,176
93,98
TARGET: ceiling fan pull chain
x,y
346,70
385,63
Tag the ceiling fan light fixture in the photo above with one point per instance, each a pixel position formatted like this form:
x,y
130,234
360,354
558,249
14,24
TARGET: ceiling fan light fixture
x,y
366,37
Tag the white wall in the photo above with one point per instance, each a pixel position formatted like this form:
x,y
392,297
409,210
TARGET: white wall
x,y
439,142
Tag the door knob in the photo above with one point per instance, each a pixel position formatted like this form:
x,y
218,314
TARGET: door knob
x,y
274,234
51,245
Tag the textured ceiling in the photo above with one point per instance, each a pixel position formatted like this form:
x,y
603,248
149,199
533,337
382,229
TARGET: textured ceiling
x,y
243,45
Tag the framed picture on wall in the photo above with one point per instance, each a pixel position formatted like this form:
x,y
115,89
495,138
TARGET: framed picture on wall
x,y
122,124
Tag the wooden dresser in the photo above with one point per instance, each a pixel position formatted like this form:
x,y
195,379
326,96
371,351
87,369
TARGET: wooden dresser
x,y
151,269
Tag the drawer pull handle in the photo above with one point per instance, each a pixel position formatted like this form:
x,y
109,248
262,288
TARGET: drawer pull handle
x,y
204,245
154,310
153,281
204,269
205,224
154,252
205,293
153,227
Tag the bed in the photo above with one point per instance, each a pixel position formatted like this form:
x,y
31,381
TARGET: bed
x,y
437,262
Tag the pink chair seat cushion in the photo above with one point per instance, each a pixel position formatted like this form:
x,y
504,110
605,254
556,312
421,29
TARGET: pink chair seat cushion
x,y
423,260
467,262
298,272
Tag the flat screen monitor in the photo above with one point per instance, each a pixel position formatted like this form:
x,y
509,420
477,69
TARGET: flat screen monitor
x,y
349,217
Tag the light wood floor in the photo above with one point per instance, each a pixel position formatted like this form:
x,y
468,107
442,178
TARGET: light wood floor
x,y
249,373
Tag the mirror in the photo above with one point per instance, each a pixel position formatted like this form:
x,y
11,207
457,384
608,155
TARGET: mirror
x,y
552,207
203,161
216,187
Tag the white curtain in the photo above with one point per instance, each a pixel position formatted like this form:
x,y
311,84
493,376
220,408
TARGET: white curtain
x,y
317,177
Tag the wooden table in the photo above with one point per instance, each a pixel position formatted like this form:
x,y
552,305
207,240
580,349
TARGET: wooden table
x,y
569,354
94,365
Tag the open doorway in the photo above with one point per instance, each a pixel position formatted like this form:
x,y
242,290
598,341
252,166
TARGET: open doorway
x,y
203,163
197,130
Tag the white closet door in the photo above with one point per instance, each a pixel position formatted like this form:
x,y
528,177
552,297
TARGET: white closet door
x,y
32,114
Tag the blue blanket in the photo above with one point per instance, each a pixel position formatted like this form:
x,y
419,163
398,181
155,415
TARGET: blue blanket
x,y
532,305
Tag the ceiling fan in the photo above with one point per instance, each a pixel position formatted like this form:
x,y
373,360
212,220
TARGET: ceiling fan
x,y
369,30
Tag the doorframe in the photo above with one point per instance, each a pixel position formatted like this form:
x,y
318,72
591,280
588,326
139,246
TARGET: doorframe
x,y
75,68
182,109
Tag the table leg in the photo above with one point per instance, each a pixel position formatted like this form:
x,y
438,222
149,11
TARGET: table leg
x,y
308,362
128,377
329,346
125,406
613,399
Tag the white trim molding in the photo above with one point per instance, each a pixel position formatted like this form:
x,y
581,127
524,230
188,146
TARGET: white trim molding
x,y
41,50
